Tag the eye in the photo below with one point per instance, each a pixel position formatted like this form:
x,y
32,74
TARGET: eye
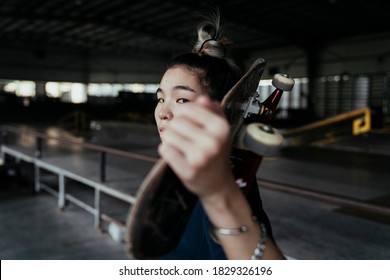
x,y
182,100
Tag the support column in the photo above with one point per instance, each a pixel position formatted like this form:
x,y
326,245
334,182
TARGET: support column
x,y
313,66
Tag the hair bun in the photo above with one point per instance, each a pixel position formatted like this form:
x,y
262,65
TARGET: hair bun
x,y
210,41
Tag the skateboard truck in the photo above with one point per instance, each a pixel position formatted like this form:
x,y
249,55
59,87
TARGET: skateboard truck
x,y
281,82
260,137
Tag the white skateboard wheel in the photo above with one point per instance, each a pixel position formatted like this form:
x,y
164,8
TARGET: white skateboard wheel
x,y
283,82
262,139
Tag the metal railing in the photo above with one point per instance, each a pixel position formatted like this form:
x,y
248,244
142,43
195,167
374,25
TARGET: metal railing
x,y
40,164
332,129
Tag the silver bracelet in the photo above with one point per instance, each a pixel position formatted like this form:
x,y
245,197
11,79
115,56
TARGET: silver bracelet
x,y
231,231
259,250
225,231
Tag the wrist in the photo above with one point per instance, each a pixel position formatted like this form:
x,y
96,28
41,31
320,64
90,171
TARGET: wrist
x,y
227,208
223,199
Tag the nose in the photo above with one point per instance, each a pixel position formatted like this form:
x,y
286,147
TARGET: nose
x,y
165,113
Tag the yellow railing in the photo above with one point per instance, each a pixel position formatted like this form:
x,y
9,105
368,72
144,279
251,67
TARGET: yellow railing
x,y
350,123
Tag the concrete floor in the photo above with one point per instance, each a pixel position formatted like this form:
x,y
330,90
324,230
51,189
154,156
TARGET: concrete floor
x,y
32,227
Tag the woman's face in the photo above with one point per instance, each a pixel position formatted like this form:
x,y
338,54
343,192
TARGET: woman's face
x,y
177,86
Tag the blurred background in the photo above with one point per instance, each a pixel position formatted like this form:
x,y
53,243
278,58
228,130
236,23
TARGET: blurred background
x,y
77,84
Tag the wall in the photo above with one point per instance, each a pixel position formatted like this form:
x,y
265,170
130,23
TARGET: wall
x,y
361,55
60,65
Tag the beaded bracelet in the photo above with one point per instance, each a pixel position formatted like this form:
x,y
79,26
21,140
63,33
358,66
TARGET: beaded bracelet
x,y
259,250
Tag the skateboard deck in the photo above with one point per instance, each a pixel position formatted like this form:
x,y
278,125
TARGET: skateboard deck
x,y
158,218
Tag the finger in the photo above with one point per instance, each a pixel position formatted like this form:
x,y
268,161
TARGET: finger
x,y
188,128
196,136
206,102
211,121
191,141
177,161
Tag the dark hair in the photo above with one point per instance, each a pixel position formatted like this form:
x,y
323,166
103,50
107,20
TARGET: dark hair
x,y
208,61
216,75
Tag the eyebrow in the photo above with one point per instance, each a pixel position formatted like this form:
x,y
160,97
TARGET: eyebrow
x,y
184,88
179,87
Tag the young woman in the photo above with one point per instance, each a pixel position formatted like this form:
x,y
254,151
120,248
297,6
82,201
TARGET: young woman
x,y
196,143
